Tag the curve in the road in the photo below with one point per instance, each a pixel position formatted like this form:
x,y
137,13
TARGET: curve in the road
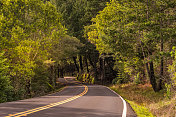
x,y
25,113
124,103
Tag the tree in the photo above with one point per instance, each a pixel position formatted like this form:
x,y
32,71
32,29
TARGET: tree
x,y
77,14
29,31
130,32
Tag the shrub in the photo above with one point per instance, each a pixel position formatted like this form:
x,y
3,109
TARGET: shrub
x,y
137,79
92,80
6,90
172,70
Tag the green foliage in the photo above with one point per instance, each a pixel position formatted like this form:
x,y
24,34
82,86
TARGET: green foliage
x,y
86,78
76,15
141,111
134,32
52,88
172,68
135,99
168,90
80,77
91,79
31,34
40,81
137,79
6,90
35,41
145,101
120,79
114,81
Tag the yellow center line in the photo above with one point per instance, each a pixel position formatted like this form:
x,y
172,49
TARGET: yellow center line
x,y
25,113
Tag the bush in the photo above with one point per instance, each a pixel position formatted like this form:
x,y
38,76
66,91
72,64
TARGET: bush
x,y
6,90
117,81
137,79
92,80
172,71
40,82
86,78
80,77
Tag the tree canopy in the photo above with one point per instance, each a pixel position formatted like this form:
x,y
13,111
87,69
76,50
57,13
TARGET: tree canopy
x,y
30,34
102,41
136,32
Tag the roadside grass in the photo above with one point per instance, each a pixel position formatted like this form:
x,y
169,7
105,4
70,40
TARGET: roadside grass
x,y
141,111
146,102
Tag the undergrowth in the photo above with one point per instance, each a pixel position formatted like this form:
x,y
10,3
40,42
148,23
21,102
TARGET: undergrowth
x,y
145,101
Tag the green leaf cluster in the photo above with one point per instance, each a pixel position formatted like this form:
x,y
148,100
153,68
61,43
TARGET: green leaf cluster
x,y
134,31
5,87
172,69
31,33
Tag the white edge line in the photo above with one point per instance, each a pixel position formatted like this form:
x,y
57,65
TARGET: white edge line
x,y
124,103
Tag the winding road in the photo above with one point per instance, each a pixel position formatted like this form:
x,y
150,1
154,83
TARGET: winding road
x,y
75,100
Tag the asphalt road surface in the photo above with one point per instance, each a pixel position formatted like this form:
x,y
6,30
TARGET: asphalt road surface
x,y
76,100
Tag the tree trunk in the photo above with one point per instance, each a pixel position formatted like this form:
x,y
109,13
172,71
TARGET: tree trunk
x,y
91,63
150,71
87,67
162,60
55,75
28,87
62,73
111,68
58,71
104,77
52,77
152,77
161,68
77,67
94,67
80,63
101,69
146,64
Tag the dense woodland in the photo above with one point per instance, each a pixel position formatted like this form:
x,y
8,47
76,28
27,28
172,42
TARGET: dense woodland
x,y
99,41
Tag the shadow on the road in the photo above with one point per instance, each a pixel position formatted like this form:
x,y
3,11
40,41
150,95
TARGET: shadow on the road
x,y
71,90
75,88
58,111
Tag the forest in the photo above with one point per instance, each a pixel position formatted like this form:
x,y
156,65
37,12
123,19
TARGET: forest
x,y
97,41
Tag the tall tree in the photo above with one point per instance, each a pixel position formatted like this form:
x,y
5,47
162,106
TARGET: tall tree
x,y
130,31
77,14
31,35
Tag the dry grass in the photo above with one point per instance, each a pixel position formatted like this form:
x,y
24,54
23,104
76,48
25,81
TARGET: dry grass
x,y
157,103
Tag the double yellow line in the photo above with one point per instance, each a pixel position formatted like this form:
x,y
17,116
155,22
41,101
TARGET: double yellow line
x,y
25,113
